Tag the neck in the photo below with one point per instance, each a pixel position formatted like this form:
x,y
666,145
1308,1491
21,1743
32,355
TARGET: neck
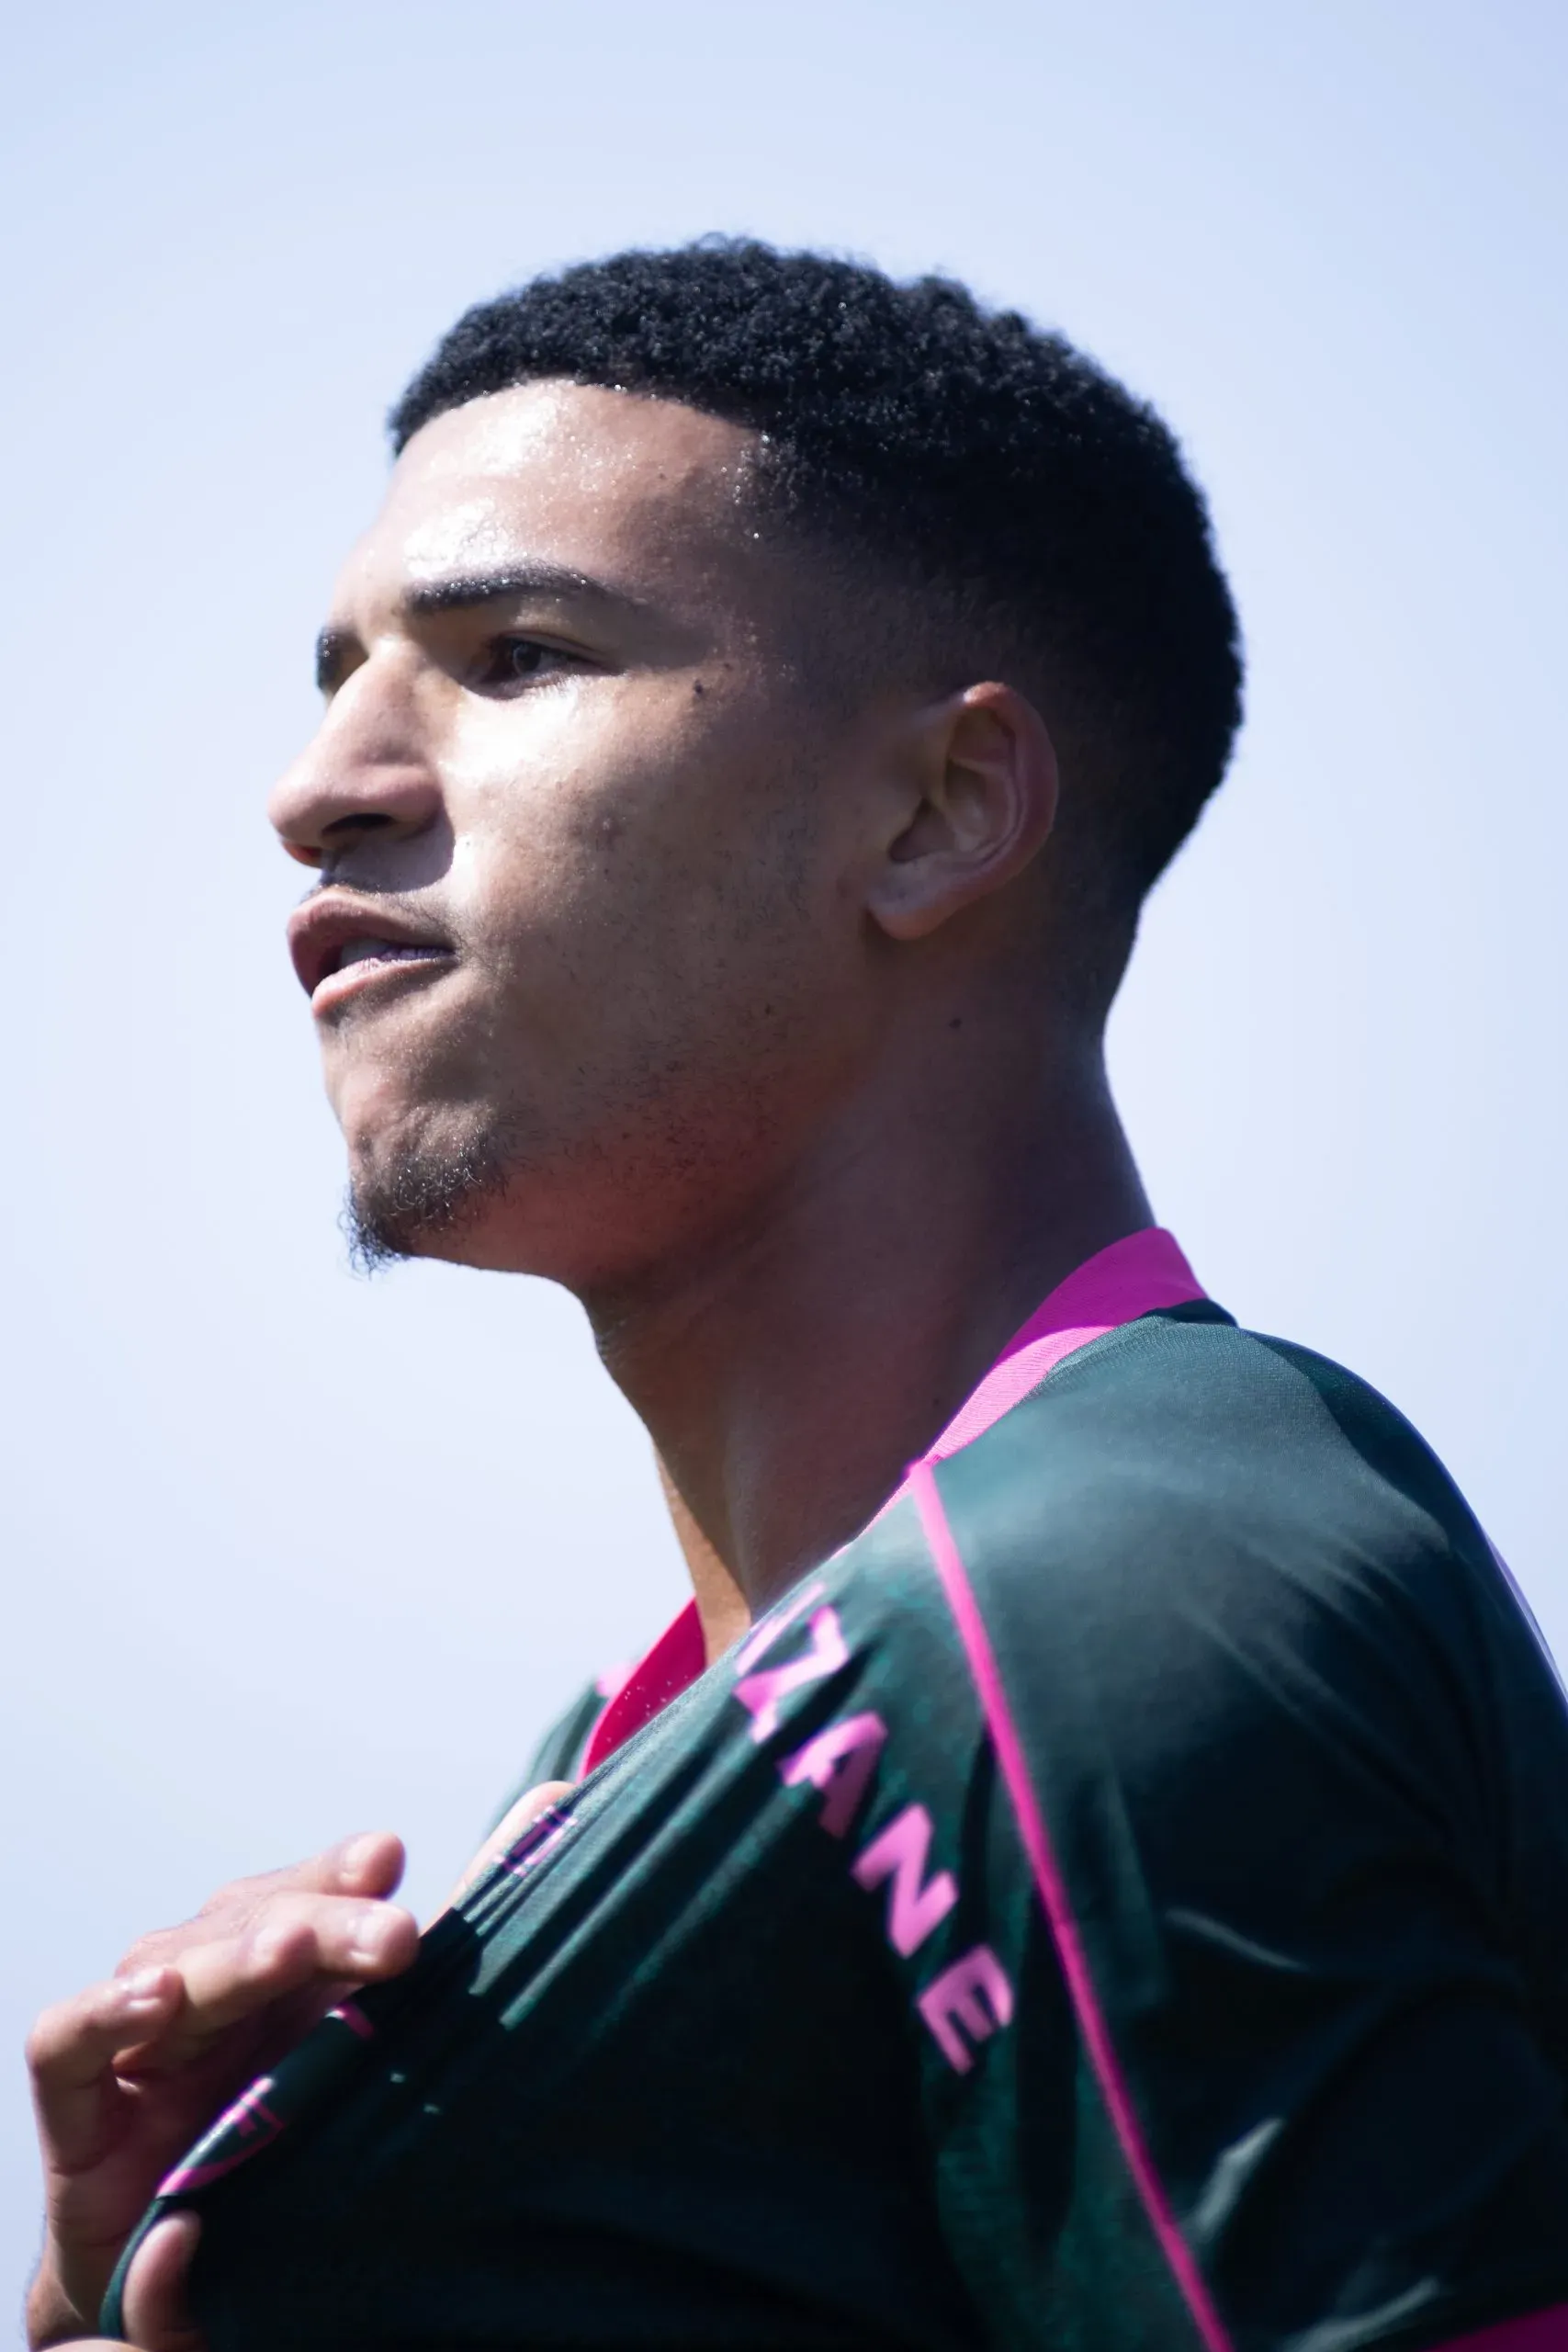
x,y
789,1374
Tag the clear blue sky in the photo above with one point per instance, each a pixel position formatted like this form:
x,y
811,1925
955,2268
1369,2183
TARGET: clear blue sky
x,y
290,1554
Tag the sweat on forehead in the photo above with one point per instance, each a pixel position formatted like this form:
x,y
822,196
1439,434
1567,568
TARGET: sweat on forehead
x,y
553,442
560,484
580,498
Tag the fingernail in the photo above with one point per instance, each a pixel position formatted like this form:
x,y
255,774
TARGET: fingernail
x,y
373,1937
147,1985
357,1852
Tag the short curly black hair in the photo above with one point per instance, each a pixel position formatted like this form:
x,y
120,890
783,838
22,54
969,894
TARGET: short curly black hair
x,y
1034,510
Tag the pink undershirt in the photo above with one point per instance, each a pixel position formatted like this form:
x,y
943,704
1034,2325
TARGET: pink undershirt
x,y
1131,1278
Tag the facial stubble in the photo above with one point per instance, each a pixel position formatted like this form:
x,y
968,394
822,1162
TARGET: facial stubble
x,y
423,1203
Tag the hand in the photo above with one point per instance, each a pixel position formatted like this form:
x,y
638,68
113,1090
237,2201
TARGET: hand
x,y
128,2075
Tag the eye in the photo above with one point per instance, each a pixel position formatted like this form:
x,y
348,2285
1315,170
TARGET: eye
x,y
510,664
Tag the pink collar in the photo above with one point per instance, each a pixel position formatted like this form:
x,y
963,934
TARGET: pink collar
x,y
1133,1277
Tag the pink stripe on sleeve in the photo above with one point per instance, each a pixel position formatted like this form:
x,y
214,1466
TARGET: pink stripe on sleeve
x,y
1053,1893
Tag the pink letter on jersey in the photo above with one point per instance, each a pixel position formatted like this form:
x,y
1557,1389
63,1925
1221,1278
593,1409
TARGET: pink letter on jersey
x,y
762,1636
899,1853
955,2000
840,1759
760,1693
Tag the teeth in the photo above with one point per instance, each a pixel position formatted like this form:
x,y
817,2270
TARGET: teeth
x,y
377,950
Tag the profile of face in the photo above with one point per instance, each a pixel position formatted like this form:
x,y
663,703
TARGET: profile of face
x,y
608,886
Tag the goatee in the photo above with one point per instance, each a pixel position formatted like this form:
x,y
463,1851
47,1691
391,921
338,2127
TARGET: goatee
x,y
415,1208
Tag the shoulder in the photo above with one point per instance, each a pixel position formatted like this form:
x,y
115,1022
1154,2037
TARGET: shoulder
x,y
1286,1761
1178,1436
1221,1529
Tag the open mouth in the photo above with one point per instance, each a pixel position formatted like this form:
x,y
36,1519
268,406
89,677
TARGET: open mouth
x,y
381,951
340,947
360,962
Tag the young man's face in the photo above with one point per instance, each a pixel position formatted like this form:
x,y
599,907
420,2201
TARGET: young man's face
x,y
587,961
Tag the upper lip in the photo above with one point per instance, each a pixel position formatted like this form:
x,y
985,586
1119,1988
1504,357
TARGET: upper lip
x,y
322,927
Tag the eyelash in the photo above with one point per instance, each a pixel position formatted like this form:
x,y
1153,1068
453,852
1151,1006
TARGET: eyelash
x,y
489,674
492,673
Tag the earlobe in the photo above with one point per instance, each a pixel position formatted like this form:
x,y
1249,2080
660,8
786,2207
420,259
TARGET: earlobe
x,y
990,798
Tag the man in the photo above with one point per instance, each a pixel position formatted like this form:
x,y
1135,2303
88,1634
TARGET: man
x,y
1104,1885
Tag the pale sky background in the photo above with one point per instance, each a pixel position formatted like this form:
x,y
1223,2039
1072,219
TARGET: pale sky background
x,y
290,1554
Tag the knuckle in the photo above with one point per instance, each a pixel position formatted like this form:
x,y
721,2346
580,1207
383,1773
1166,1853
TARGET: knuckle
x,y
277,1920
240,1902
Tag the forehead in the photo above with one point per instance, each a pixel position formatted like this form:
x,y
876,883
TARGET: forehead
x,y
635,490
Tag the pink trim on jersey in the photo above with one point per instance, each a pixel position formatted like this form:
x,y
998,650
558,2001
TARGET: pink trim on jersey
x,y
1537,2331
1132,1277
350,2014
1116,1286
1058,1910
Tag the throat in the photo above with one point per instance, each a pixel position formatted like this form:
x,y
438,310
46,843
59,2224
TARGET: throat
x,y
723,1609
789,1380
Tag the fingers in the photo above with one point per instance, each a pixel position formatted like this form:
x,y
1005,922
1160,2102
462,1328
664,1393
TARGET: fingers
x,y
368,1866
326,1921
370,1862
71,2048
296,1939
155,2307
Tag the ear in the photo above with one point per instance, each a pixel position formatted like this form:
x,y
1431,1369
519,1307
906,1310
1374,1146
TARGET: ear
x,y
986,771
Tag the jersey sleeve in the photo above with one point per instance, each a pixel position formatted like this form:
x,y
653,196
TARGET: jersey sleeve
x,y
1282,1773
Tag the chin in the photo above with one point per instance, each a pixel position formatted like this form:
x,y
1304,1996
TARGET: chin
x,y
474,1184
422,1184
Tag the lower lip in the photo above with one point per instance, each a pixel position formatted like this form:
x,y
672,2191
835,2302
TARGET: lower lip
x,y
355,979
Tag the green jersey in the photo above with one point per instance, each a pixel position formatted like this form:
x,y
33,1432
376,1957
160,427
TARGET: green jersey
x,y
1118,1904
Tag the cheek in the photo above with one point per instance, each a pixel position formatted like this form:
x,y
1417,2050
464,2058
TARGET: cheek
x,y
550,796
648,887
576,836
623,928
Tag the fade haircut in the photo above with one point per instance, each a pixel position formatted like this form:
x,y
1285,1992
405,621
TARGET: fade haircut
x,y
1027,517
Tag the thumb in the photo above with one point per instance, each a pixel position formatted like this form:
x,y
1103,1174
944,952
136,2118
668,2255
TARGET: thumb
x,y
155,2308
528,1807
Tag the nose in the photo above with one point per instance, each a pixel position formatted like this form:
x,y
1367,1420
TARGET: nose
x,y
364,773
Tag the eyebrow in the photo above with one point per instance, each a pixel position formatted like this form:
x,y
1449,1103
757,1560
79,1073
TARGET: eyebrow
x,y
463,591
465,588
